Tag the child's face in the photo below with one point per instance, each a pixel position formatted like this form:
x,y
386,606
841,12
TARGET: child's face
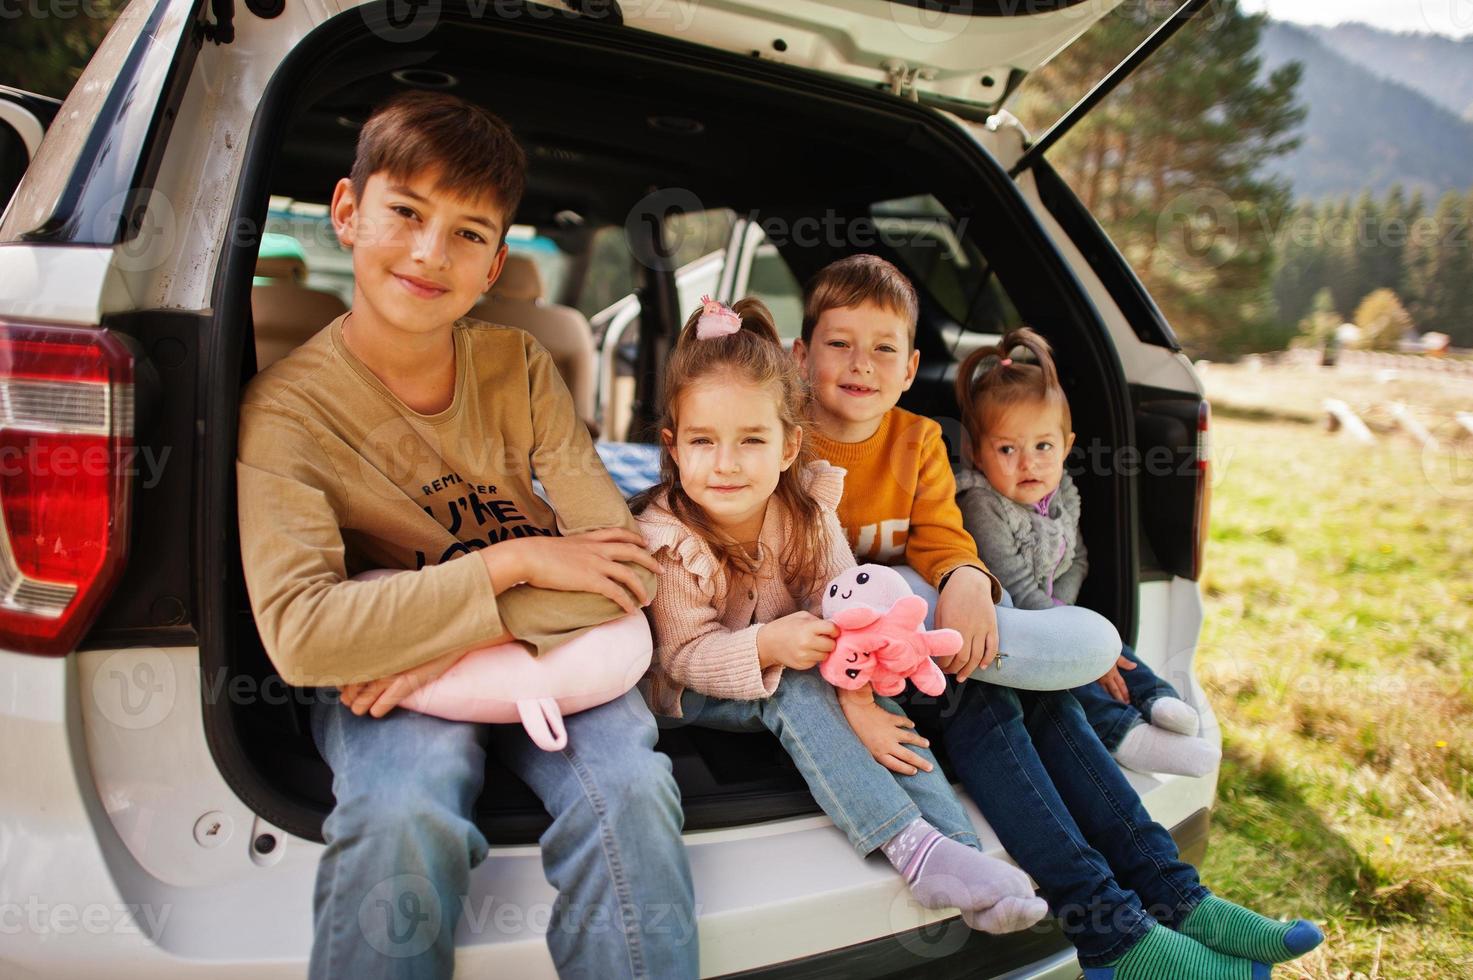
x,y
1022,452
858,362
730,449
421,257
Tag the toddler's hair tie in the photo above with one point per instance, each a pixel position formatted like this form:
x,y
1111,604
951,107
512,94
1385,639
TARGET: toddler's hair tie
x,y
716,320
1005,362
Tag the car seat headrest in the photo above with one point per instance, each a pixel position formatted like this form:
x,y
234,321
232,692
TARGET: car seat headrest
x,y
281,257
519,280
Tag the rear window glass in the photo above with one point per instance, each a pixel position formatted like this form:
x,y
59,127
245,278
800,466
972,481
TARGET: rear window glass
x,y
329,265
612,265
932,247
610,275
773,283
51,170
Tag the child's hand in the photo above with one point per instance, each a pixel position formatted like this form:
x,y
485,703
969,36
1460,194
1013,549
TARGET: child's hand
x,y
884,733
379,697
1114,684
588,562
799,641
965,605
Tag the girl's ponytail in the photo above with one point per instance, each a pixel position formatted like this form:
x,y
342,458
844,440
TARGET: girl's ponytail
x,y
989,379
716,321
757,318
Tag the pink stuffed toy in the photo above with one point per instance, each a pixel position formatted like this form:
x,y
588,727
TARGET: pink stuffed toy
x,y
882,640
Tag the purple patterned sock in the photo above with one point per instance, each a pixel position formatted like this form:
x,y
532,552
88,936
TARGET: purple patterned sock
x,y
942,873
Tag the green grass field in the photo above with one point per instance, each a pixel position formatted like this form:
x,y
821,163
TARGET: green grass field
x,y
1338,654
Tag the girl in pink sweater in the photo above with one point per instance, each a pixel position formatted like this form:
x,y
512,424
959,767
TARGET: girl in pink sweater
x,y
745,531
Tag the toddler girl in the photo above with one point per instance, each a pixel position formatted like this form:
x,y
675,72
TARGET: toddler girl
x,y
1023,510
745,532
1112,875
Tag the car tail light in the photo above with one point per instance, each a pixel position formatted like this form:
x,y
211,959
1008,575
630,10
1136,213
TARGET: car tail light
x,y
1204,488
66,439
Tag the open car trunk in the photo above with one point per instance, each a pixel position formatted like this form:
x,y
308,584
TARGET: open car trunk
x,y
608,114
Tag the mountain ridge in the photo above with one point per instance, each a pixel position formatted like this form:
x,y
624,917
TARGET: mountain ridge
x,y
1438,66
1364,129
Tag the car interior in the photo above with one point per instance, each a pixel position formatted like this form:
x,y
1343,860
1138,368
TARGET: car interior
x,y
607,122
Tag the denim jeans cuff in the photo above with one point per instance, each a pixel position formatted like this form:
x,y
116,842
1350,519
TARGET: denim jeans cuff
x,y
1131,932
1185,906
871,840
1111,739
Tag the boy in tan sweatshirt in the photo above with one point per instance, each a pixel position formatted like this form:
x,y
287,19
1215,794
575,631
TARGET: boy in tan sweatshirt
x,y
406,436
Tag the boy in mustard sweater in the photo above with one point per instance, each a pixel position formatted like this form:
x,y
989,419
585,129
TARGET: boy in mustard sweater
x,y
899,506
406,436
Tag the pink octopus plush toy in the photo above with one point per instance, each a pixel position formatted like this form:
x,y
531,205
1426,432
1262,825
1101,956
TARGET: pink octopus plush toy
x,y
882,638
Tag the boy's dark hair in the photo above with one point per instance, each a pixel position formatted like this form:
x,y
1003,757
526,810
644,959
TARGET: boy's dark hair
x,y
859,279
474,151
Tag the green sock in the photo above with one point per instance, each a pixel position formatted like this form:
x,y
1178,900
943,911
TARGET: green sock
x,y
1234,930
1165,955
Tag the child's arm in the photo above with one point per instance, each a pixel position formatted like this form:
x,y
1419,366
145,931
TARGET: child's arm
x,y
965,604
696,651
939,548
826,484
1066,585
885,734
582,496
320,629
583,562
937,543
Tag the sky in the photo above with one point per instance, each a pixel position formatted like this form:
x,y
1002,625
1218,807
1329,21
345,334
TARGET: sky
x,y
1450,17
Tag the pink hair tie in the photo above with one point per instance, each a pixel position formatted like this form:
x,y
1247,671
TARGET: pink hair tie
x,y
1005,362
717,320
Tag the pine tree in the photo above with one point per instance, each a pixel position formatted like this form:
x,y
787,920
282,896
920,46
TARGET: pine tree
x,y
1388,270
1323,319
1299,271
1171,164
1416,258
46,54
1447,291
1342,264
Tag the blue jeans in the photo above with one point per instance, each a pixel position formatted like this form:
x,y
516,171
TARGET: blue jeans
x,y
868,802
1111,719
1060,805
401,842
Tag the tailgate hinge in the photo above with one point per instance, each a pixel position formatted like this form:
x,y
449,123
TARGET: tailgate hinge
x,y
903,77
222,29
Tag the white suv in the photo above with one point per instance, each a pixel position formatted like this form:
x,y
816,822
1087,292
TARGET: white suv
x,y
162,797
